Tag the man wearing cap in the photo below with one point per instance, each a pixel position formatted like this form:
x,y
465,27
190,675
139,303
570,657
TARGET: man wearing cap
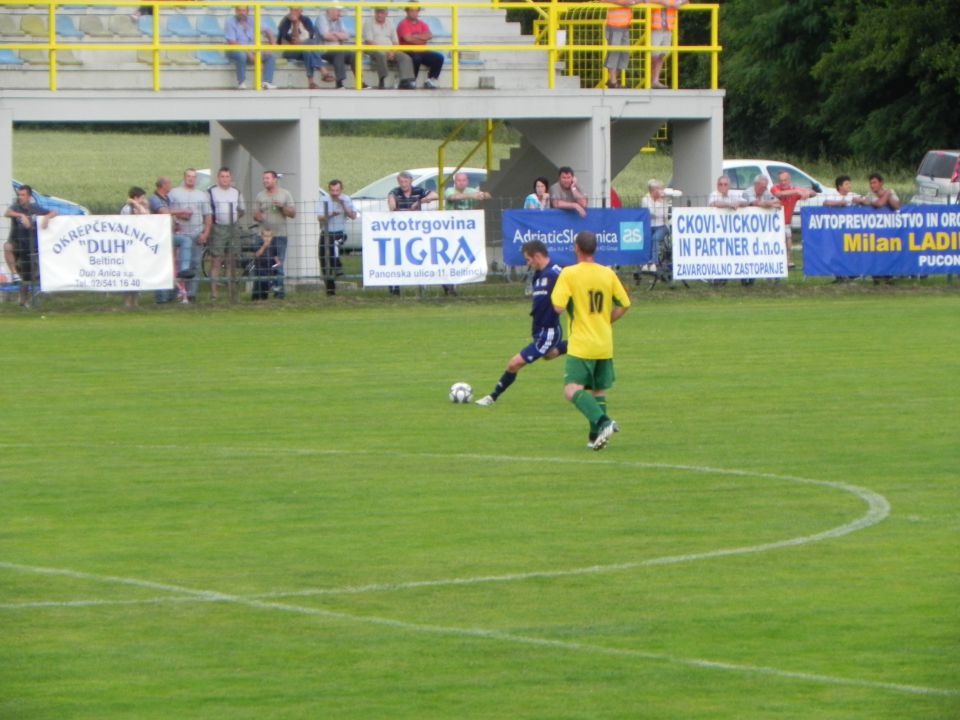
x,y
414,31
380,31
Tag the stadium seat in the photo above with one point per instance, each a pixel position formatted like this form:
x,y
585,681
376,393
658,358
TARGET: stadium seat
x,y
8,27
146,57
268,23
66,27
182,58
145,25
180,26
349,22
209,26
34,26
123,26
93,26
212,57
9,57
40,57
440,34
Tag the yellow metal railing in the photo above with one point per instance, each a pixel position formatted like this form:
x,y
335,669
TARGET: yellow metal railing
x,y
555,16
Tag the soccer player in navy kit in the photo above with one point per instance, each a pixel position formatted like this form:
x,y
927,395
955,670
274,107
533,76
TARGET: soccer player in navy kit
x,y
548,341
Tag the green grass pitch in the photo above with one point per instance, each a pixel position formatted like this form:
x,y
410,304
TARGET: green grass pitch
x,y
274,512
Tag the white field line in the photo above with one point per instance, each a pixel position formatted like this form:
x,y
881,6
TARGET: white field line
x,y
496,635
878,510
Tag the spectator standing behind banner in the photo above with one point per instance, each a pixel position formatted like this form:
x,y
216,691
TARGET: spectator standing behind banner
x,y
617,31
880,198
136,204
272,208
228,208
539,199
656,202
332,214
721,197
789,196
565,195
461,197
20,251
160,205
843,197
238,30
191,206
407,196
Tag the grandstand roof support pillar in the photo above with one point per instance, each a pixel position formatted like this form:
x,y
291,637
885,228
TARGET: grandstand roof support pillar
x,y
698,154
291,148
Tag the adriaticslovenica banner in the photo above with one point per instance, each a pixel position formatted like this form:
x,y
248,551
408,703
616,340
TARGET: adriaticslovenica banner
x,y
623,235
722,244
106,253
424,248
916,240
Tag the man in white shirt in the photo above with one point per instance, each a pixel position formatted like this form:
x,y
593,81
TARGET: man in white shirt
x,y
332,214
192,209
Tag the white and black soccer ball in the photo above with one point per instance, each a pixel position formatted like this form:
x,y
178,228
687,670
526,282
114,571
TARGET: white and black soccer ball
x,y
460,393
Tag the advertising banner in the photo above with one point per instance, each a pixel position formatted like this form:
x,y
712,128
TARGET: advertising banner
x,y
623,235
847,242
723,244
424,248
106,253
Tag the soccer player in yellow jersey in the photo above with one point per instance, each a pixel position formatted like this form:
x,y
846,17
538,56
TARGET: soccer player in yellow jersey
x,y
594,298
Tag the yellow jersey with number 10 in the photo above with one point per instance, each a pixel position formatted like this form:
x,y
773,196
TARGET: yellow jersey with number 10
x,y
589,292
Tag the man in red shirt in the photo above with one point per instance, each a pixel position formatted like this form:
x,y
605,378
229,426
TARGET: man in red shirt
x,y
788,195
414,31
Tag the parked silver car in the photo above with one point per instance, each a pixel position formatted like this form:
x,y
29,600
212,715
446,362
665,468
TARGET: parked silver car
x,y
938,178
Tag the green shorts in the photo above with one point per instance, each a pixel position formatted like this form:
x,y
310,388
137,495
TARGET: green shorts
x,y
592,374
224,239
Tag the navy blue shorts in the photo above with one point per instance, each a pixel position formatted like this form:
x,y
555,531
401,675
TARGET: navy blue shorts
x,y
544,341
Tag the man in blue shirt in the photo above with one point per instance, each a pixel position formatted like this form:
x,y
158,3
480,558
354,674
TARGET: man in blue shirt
x,y
547,333
238,30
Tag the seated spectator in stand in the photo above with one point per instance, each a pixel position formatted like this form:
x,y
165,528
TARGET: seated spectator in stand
x,y
332,31
407,196
298,31
20,252
656,202
539,199
721,197
380,31
565,195
238,30
789,196
414,31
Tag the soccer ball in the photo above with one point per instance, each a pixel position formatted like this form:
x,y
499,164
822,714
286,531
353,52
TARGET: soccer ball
x,y
461,393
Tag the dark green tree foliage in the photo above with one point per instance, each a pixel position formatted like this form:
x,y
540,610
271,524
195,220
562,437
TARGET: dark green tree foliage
x,y
891,80
769,51
878,80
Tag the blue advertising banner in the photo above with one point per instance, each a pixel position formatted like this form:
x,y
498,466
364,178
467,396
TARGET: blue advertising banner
x,y
915,240
623,235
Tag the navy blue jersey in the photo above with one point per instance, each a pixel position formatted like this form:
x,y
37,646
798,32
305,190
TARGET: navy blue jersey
x,y
542,312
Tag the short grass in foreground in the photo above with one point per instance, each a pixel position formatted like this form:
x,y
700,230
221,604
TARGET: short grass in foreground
x,y
278,513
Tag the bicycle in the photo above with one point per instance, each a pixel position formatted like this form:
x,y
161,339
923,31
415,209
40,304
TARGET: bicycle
x,y
244,263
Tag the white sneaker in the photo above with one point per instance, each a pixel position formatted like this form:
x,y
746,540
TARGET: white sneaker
x,y
486,401
606,432
241,86
14,278
269,86
429,85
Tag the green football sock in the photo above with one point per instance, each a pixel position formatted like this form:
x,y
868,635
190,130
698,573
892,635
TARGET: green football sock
x,y
588,406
